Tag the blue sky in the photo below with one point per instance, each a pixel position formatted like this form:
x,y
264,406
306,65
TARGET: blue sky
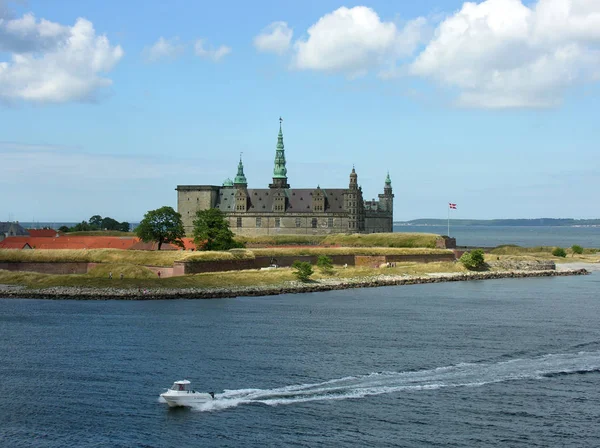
x,y
105,107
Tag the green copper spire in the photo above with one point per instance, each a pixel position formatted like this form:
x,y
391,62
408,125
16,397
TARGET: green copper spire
x,y
279,170
388,181
240,179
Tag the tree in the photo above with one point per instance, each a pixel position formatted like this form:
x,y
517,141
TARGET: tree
x,y
577,249
110,224
96,221
473,260
162,225
559,252
302,270
212,232
63,229
325,263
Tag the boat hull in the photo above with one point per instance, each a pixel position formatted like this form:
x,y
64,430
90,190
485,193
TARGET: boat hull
x,y
186,399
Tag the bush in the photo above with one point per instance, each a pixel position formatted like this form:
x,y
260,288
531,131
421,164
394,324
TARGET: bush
x,y
577,249
302,270
559,252
473,260
325,263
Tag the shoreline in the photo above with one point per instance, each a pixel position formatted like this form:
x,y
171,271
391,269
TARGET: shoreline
x,y
80,293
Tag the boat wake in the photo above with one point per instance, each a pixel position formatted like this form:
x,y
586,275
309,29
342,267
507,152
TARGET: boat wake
x,y
460,375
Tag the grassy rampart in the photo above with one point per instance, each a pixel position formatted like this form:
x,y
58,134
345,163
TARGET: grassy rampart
x,y
137,277
136,257
347,240
167,258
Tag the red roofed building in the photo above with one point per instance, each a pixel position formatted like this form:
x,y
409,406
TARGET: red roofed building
x,y
12,245
88,242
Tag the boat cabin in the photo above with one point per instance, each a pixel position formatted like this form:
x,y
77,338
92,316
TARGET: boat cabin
x,y
181,386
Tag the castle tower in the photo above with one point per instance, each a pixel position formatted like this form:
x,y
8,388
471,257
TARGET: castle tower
x,y
353,180
241,185
240,178
280,171
353,201
386,200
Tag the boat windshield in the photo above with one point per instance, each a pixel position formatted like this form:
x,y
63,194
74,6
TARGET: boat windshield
x,y
179,386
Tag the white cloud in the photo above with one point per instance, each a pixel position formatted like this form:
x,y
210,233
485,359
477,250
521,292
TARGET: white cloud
x,y
208,52
164,49
503,53
354,40
275,38
50,62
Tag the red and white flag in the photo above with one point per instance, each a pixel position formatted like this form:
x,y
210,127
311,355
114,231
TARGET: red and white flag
x,y
452,206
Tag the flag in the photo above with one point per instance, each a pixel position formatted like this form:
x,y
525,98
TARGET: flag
x,y
452,206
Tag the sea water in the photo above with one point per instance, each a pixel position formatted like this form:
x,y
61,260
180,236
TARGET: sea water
x,y
526,236
512,362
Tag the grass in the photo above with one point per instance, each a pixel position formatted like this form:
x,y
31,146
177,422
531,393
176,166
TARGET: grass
x,y
167,258
297,251
139,277
348,240
543,252
137,257
397,239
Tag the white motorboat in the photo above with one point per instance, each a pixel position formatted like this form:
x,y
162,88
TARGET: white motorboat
x,y
181,394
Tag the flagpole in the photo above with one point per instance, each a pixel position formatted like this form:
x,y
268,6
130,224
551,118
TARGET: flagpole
x,y
448,220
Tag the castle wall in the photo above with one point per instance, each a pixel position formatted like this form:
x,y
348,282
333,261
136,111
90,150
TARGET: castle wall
x,y
289,224
378,222
192,198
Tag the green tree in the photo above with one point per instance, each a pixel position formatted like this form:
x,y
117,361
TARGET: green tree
x,y
162,225
212,232
96,221
302,270
559,252
577,249
83,226
473,260
63,229
325,263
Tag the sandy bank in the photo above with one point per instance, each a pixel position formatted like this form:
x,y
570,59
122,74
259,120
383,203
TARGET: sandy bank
x,y
78,293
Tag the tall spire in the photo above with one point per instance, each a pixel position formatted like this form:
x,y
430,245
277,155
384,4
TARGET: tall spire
x,y
388,181
279,170
240,179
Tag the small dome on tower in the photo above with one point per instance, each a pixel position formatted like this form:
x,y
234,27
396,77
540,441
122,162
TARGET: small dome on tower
x,y
228,183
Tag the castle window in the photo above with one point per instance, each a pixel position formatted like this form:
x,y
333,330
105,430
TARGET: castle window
x,y
349,225
258,222
239,222
314,223
277,222
298,222
329,222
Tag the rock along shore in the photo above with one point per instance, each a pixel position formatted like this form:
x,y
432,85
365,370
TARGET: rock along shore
x,y
81,293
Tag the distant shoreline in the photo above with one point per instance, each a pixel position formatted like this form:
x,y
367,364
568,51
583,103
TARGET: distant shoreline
x,y
80,293
540,222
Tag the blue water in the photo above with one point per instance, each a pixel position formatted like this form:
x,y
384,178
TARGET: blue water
x,y
512,362
488,236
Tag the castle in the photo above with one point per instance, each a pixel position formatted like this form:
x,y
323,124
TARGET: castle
x,y
282,210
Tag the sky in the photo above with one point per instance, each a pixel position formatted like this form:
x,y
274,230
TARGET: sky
x,y
106,106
